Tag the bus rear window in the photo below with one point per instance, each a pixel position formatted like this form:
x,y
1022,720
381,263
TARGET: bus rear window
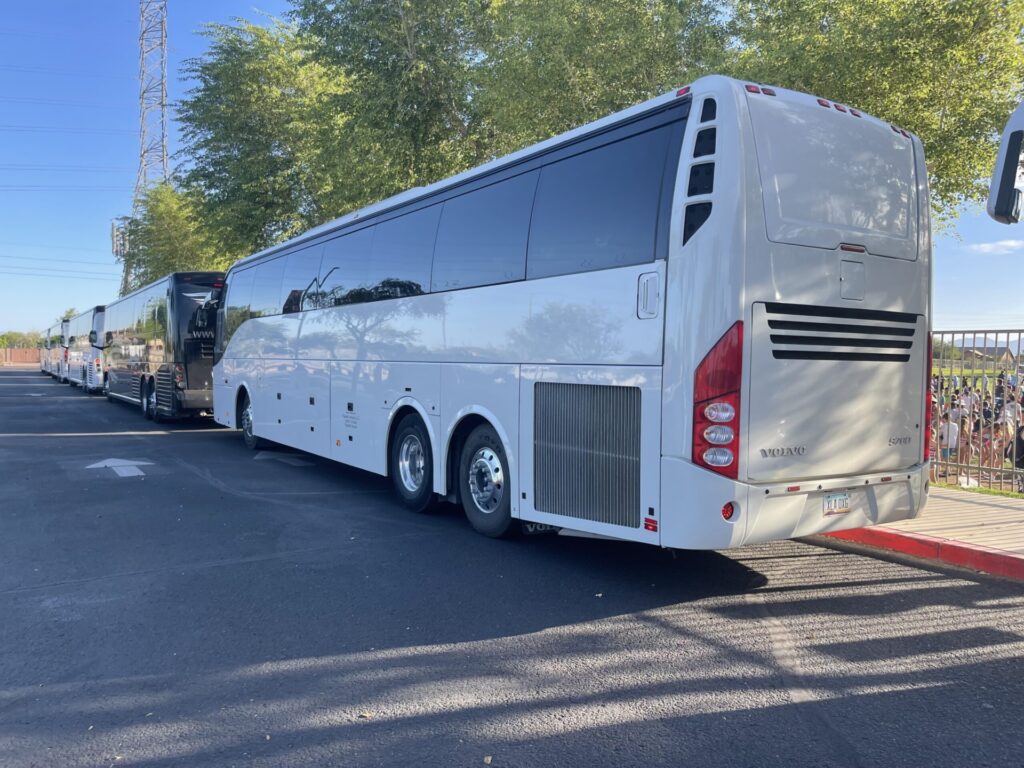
x,y
828,178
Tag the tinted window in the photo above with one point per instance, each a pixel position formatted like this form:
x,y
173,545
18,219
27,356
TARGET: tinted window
x,y
387,261
599,209
402,252
266,289
239,287
482,235
345,259
299,288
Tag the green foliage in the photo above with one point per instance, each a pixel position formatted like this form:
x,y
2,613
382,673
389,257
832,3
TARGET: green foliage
x,y
290,124
67,314
263,148
551,65
20,340
170,235
951,72
412,65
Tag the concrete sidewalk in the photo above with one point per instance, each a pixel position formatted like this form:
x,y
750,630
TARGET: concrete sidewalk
x,y
971,530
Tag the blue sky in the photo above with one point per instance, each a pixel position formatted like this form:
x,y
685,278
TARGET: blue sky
x,y
69,67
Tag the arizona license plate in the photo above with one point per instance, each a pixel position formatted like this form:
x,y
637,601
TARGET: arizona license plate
x,y
835,503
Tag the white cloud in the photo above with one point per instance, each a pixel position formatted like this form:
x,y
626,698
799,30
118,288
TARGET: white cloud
x,y
998,248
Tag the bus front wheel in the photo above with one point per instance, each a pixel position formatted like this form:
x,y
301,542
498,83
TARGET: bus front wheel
x,y
411,464
484,483
245,423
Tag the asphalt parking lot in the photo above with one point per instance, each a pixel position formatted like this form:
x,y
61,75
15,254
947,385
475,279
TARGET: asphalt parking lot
x,y
216,607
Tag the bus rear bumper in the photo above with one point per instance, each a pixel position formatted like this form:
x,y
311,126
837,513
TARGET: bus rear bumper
x,y
195,400
769,512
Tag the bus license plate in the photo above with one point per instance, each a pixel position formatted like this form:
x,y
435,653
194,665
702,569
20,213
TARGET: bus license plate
x,y
835,503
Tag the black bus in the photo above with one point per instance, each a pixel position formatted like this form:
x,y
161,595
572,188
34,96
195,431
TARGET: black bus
x,y
158,345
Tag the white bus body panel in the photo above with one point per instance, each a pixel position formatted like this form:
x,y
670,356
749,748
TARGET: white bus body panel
x,y
483,350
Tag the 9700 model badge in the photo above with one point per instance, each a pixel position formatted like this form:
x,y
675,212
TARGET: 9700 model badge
x,y
775,453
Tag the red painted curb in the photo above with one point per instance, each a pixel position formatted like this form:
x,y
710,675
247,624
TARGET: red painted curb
x,y
985,559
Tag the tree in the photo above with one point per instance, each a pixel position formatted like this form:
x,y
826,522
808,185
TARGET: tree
x,y
411,64
950,72
170,235
262,151
67,314
551,65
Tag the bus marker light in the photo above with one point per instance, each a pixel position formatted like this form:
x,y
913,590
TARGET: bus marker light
x,y
839,107
825,103
717,457
792,488
752,88
854,112
720,412
728,510
852,248
886,479
683,91
768,91
718,434
650,524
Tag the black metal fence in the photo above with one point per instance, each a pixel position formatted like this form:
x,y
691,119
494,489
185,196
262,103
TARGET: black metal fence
x,y
977,426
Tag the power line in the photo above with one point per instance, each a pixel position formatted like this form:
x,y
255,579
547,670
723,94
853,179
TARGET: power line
x,y
60,129
59,102
51,258
58,277
46,188
58,269
64,168
60,72
51,247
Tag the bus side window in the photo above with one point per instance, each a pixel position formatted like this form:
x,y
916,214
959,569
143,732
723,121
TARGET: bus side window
x,y
300,286
343,262
266,288
599,209
239,292
481,239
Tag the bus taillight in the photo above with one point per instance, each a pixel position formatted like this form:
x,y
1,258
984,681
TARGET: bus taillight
x,y
716,405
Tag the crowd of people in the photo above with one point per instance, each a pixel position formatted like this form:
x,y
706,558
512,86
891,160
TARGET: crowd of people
x,y
977,421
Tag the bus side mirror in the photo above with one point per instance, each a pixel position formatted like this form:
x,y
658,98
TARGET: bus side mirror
x,y
93,337
108,337
1007,186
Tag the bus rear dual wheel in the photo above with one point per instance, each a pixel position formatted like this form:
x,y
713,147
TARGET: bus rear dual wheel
x,y
149,401
482,475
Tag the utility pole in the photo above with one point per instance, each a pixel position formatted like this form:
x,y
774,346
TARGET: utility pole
x,y
152,119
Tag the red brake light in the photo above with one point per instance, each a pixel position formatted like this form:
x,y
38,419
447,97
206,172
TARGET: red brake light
x,y
683,91
752,88
728,510
716,405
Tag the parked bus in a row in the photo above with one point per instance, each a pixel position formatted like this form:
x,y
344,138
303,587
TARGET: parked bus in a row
x,y
700,322
54,355
48,353
85,351
158,346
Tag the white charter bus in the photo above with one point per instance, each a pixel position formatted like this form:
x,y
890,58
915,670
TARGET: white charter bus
x,y
700,322
85,351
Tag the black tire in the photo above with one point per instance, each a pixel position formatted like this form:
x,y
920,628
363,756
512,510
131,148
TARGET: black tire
x,y
106,389
154,403
411,464
252,442
484,483
144,386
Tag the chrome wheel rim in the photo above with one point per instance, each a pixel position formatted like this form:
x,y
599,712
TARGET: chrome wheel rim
x,y
486,480
247,421
411,463
151,401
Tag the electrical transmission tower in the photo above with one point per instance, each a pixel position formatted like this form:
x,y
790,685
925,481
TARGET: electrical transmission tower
x,y
152,117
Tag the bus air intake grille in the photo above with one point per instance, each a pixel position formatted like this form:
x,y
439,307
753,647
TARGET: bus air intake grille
x,y
801,332
586,454
164,386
